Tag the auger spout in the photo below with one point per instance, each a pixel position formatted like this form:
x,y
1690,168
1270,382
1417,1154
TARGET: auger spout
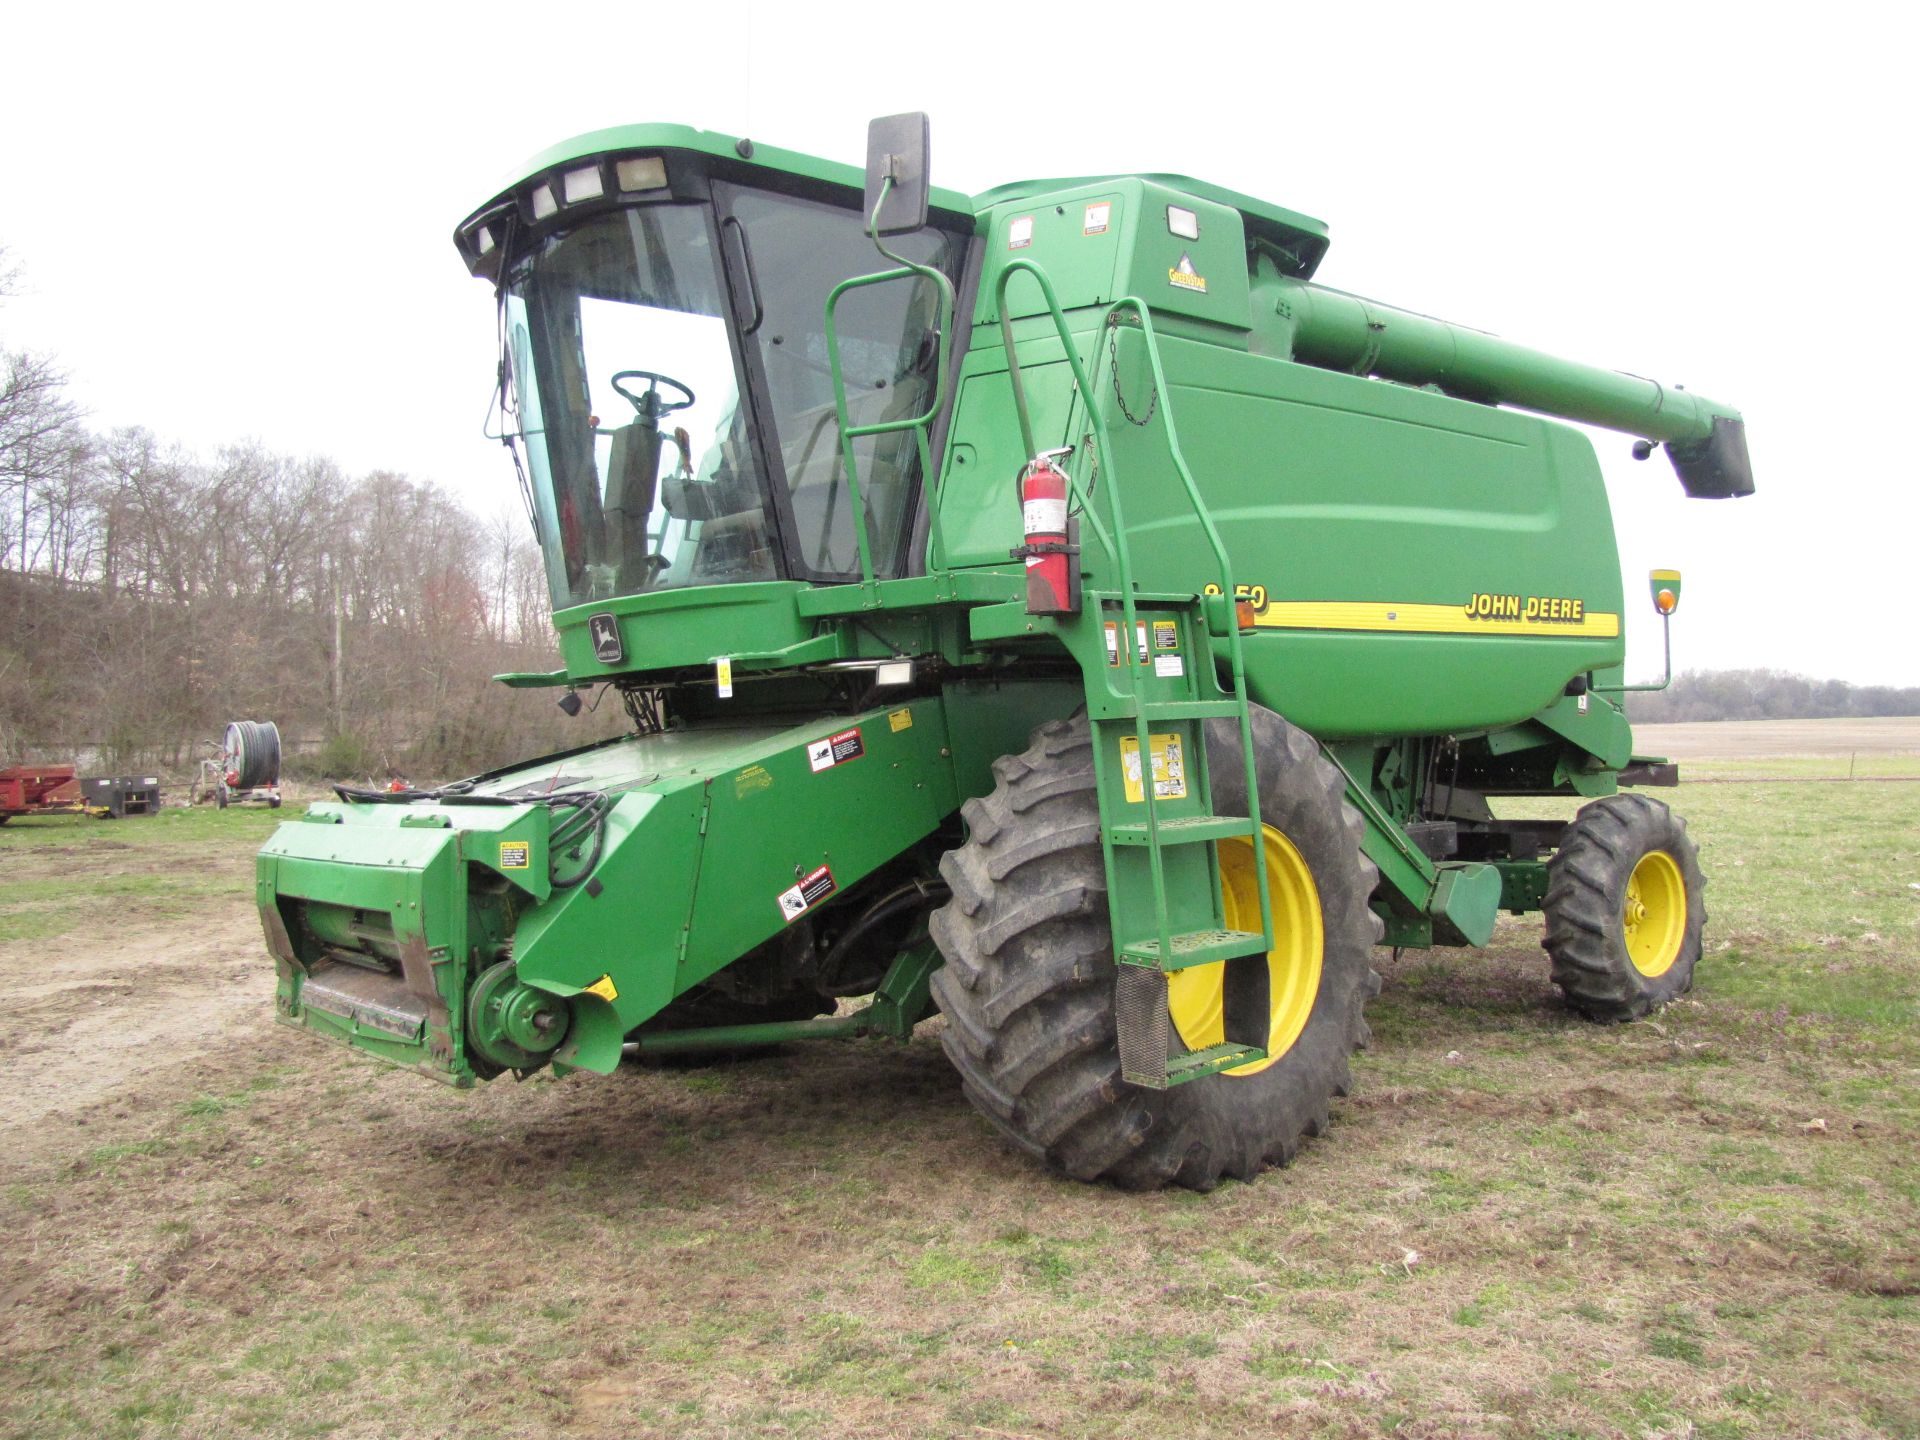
x,y
1706,441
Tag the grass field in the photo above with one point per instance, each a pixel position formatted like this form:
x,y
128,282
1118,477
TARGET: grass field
x,y
1705,1224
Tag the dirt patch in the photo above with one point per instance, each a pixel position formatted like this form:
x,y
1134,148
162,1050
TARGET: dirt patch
x,y
93,1014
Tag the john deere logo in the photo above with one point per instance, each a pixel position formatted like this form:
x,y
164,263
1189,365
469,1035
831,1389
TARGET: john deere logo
x,y
605,631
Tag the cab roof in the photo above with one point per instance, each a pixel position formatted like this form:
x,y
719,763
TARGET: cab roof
x,y
1302,236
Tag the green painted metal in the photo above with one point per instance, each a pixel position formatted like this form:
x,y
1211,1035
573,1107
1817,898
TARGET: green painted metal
x,y
1431,575
905,996
1347,332
1465,904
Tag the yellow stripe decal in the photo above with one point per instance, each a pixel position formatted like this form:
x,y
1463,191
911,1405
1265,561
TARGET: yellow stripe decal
x,y
1423,619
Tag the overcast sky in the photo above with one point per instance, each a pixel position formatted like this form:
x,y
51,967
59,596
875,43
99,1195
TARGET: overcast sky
x,y
235,221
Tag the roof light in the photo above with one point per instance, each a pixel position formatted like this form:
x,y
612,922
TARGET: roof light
x,y
543,202
481,238
1183,222
583,185
641,172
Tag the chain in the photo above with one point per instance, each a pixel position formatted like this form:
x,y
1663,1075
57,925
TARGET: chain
x,y
1153,401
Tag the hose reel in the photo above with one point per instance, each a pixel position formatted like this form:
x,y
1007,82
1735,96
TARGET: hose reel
x,y
252,754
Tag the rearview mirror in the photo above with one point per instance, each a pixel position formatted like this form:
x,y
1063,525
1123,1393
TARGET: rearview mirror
x,y
897,147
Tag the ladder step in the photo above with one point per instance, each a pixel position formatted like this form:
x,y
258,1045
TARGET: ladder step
x,y
1191,709
1196,947
1172,710
1187,830
1197,1063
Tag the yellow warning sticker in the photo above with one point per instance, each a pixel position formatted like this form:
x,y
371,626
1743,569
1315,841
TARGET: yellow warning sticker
x,y
603,987
751,779
1166,635
515,854
900,719
1169,768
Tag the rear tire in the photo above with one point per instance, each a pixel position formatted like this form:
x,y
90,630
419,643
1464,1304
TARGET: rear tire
x,y
1028,984
1625,909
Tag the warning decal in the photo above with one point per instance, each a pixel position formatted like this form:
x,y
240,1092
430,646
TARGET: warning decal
x,y
515,854
1113,641
1169,768
1166,635
809,892
604,988
750,780
900,719
1099,216
835,750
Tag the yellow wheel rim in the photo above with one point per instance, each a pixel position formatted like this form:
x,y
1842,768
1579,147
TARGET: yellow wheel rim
x,y
1655,913
1196,997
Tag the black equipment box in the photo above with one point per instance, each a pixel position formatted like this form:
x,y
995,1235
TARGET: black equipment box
x,y
122,795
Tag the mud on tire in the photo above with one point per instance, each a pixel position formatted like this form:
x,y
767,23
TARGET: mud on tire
x,y
1028,984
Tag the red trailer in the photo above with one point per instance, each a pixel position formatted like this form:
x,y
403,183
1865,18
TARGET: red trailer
x,y
38,790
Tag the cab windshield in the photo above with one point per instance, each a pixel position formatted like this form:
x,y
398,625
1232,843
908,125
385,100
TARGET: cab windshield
x,y
677,408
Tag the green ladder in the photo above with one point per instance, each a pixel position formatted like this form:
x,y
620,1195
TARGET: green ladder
x,y
1158,832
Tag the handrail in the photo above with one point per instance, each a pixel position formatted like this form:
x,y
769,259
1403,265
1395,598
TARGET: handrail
x,y
920,424
1117,552
1015,267
1236,655
1116,548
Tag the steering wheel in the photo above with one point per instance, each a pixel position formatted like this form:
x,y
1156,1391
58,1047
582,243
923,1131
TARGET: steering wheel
x,y
641,402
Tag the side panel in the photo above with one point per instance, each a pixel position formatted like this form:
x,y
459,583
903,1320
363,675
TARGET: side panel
x,y
979,504
1370,516
693,871
776,827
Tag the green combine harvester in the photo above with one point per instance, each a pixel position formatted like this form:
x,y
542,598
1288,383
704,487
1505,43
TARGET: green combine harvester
x,y
1049,608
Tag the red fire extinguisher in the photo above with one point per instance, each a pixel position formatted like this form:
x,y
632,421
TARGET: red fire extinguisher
x,y
1052,556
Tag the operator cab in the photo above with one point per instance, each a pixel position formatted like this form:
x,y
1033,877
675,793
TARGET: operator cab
x,y
665,363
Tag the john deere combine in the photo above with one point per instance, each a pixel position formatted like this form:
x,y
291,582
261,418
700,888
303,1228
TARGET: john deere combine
x,y
1049,608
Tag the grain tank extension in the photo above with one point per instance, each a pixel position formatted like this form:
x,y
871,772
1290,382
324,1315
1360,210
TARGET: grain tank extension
x,y
1049,609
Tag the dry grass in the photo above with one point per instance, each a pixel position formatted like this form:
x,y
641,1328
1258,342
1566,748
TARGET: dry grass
x,y
1520,1225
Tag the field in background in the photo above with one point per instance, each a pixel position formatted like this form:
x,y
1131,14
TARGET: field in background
x,y
1887,748
1706,1224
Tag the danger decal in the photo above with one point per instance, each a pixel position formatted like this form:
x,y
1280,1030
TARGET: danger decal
x,y
807,892
835,750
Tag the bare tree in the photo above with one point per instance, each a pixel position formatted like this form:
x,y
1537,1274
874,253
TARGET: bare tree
x,y
148,595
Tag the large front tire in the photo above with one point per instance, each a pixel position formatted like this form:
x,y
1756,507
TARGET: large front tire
x,y
1028,984
1625,911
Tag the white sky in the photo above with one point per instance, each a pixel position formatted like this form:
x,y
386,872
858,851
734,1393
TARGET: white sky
x,y
235,220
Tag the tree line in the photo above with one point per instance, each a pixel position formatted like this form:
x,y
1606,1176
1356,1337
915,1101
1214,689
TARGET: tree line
x,y
149,594
1768,695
